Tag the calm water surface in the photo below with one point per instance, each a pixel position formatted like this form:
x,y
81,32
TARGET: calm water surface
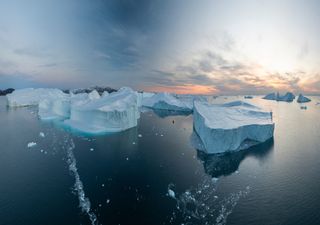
x,y
125,178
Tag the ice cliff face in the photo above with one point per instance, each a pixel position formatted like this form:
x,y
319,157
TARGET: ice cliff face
x,y
115,112
231,127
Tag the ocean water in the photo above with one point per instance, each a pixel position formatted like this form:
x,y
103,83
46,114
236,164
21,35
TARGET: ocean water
x,y
153,174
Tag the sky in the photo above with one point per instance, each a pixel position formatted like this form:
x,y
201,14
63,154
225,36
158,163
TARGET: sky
x,y
181,46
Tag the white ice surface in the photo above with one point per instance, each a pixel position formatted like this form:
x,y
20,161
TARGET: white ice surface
x,y
166,101
32,96
115,112
232,126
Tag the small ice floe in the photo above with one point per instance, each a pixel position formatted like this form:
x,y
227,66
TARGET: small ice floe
x,y
133,143
171,192
41,134
161,135
102,185
127,159
91,149
237,171
140,135
31,144
108,201
41,151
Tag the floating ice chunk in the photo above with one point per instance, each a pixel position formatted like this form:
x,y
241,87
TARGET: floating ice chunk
x,y
91,149
140,135
224,128
166,101
113,113
41,134
171,193
288,97
303,99
31,144
32,96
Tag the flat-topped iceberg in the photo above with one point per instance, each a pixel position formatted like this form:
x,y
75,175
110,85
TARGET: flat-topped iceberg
x,y
232,126
166,101
303,99
32,96
288,97
115,112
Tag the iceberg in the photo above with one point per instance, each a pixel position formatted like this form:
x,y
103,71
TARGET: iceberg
x,y
115,112
231,127
288,97
60,107
32,96
303,99
166,101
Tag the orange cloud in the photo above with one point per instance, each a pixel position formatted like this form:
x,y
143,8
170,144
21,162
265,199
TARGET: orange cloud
x,y
184,89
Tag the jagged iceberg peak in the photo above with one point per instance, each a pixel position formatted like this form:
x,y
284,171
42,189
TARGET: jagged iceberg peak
x,y
232,126
32,96
115,112
166,101
303,99
288,97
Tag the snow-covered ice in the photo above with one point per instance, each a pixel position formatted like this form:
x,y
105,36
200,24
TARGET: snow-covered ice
x,y
231,127
303,99
32,96
115,112
166,101
41,134
288,97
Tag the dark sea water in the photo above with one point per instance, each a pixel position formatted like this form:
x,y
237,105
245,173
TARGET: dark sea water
x,y
128,177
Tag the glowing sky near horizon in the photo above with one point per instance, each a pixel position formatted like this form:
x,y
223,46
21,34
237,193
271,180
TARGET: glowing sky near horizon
x,y
206,46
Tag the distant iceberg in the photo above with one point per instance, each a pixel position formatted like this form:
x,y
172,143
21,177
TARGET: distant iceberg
x,y
231,127
166,101
32,96
303,99
115,112
288,97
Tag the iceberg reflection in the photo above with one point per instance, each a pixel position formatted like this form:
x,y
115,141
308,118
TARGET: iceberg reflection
x,y
223,164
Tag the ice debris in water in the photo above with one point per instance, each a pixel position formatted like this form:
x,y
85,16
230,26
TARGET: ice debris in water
x,y
91,149
84,201
202,205
41,134
171,192
31,144
139,135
